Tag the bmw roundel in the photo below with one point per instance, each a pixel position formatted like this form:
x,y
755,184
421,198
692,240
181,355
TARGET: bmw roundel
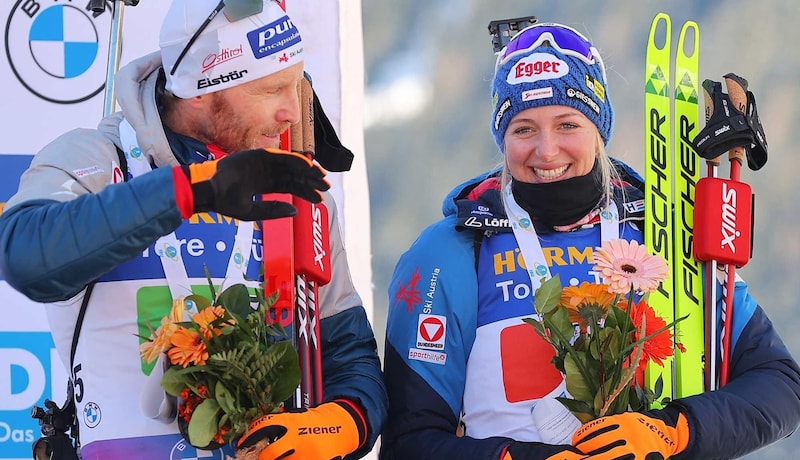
x,y
58,51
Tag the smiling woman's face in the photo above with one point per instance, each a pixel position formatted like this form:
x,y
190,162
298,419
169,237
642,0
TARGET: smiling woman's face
x,y
550,143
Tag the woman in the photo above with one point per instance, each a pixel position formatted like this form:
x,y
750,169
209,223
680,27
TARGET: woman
x,y
463,371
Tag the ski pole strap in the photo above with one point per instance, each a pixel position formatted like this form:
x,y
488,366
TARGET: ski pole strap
x,y
330,153
728,127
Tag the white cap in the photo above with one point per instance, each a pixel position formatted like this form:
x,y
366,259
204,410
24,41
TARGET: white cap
x,y
226,54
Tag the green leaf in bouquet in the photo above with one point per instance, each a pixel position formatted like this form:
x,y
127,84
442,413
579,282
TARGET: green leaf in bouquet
x,y
536,325
659,386
199,301
211,287
236,299
622,319
580,409
598,403
611,344
172,382
203,425
577,384
547,295
225,399
284,373
561,327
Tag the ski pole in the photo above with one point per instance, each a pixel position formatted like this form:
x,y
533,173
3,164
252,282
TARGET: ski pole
x,y
725,206
114,46
312,261
297,261
710,271
737,92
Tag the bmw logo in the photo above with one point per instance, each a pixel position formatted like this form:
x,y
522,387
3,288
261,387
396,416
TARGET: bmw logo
x,y
58,51
91,414
185,451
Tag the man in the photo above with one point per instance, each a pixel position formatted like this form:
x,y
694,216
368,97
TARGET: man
x,y
195,120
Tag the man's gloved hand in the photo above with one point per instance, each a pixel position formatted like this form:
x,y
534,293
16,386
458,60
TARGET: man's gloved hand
x,y
653,435
326,432
229,184
537,450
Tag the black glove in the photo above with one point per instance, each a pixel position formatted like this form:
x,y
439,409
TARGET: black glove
x,y
228,185
537,451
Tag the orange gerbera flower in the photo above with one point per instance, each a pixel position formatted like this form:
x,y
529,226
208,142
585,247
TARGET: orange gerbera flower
x,y
149,350
160,339
626,264
205,317
657,348
587,301
187,348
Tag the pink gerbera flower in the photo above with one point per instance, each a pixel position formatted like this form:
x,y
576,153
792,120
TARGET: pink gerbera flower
x,y
624,264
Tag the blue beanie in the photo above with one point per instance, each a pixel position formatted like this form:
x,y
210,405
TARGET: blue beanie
x,y
544,76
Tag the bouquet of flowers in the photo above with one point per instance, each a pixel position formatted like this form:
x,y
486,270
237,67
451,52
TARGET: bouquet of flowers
x,y
604,334
225,366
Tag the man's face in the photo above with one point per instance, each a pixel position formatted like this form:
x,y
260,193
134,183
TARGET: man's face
x,y
254,114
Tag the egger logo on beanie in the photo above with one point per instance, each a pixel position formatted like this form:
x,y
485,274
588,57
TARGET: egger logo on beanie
x,y
225,54
550,64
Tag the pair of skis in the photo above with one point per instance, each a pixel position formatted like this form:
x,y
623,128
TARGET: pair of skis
x,y
671,174
701,226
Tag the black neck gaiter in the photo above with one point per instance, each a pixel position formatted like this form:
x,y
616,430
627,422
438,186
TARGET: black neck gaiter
x,y
560,203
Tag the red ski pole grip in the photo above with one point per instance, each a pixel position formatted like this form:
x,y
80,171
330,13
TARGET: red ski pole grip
x,y
312,242
723,217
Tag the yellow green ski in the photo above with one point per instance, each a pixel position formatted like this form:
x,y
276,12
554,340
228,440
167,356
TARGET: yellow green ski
x,y
658,233
687,272
671,172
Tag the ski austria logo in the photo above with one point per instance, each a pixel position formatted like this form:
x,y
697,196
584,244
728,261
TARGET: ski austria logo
x,y
58,50
431,332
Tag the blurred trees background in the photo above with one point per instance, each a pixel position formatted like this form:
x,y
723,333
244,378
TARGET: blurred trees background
x,y
428,68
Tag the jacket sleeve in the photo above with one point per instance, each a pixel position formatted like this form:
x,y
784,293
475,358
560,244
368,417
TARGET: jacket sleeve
x,y
761,402
435,277
58,235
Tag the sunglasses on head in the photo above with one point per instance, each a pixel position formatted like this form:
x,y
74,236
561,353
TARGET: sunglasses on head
x,y
565,39
234,11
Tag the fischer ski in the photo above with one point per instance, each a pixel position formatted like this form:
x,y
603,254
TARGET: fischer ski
x,y
687,274
658,233
671,176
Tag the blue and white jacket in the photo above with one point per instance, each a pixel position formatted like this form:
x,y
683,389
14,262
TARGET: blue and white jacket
x,y
463,371
73,221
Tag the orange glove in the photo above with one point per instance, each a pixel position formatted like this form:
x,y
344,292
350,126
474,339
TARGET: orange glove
x,y
653,435
326,432
536,450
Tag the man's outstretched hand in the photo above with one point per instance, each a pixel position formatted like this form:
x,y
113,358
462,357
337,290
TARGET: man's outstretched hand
x,y
233,184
